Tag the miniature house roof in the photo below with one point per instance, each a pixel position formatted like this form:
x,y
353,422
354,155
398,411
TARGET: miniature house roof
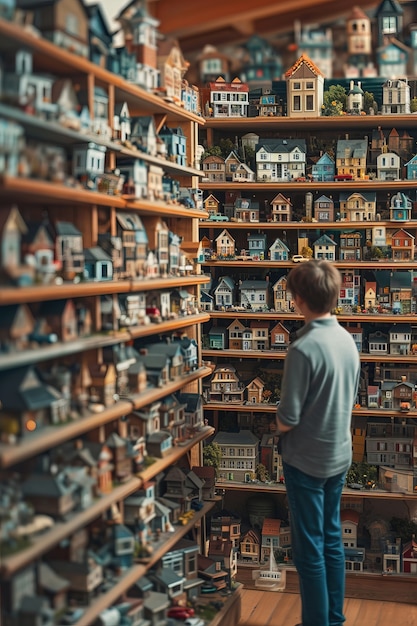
x,y
305,60
244,437
325,240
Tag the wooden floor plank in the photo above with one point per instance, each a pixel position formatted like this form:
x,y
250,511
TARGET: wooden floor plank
x,y
353,612
275,608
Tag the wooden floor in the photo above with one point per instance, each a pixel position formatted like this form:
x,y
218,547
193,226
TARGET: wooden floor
x,y
275,608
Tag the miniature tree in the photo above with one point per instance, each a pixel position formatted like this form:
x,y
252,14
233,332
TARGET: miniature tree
x,y
413,105
262,473
334,101
307,252
369,102
404,528
362,474
373,252
212,456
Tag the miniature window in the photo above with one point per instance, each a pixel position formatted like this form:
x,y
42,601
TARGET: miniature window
x,y
309,84
71,24
296,103
296,85
389,24
310,103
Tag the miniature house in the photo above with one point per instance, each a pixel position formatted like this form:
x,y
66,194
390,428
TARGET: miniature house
x,y
305,88
230,444
281,210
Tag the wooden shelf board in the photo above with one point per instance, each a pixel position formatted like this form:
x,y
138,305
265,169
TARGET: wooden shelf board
x,y
61,530
280,356
280,489
134,573
141,400
41,354
51,193
37,355
38,293
311,124
51,436
354,185
352,265
53,59
169,210
271,408
341,225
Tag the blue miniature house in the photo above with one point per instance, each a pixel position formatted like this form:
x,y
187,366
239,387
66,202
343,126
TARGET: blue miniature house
x,y
324,169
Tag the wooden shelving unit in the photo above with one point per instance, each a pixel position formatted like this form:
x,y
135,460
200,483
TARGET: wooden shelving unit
x,y
95,213
235,493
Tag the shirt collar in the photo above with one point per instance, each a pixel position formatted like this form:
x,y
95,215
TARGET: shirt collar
x,y
317,323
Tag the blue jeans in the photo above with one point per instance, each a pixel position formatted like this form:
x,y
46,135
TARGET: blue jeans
x,y
317,546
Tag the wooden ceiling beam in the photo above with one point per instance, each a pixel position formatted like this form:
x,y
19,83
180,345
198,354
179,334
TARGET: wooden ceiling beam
x,y
195,23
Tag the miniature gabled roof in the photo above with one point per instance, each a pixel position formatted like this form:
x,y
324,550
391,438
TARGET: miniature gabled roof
x,y
325,240
67,229
358,14
389,7
402,231
254,284
271,526
356,148
303,60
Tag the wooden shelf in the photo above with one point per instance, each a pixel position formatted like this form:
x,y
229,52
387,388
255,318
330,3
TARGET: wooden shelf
x,y
38,128
274,226
38,355
61,530
353,265
51,436
137,571
55,60
311,124
40,191
377,494
141,400
272,408
358,318
280,356
354,185
38,293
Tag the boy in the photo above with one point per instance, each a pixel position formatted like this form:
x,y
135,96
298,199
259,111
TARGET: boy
x,y
319,387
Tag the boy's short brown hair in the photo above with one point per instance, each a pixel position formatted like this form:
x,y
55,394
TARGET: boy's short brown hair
x,y
317,282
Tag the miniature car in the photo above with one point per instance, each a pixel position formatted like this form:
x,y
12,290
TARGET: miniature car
x,y
218,217
180,612
299,258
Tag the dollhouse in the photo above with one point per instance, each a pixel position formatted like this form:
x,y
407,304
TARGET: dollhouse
x,y
281,209
225,385
234,446
317,44
225,99
172,68
140,48
305,87
280,160
261,64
